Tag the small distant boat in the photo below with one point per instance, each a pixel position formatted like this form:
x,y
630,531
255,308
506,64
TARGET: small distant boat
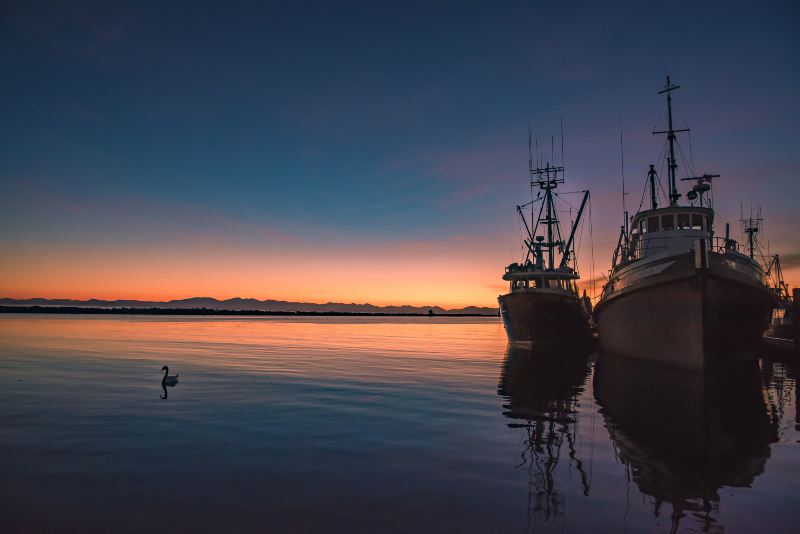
x,y
677,294
543,304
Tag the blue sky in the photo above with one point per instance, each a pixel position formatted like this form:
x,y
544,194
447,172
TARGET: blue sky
x,y
322,127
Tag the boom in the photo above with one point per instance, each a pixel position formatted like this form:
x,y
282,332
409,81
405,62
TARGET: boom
x,y
565,256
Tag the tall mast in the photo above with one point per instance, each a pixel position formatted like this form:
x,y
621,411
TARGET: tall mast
x,y
547,179
751,226
672,164
549,194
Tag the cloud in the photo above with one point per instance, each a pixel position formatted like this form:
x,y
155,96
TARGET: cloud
x,y
790,260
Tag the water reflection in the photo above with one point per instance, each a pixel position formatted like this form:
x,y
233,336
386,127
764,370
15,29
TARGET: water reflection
x,y
683,435
293,424
542,387
780,380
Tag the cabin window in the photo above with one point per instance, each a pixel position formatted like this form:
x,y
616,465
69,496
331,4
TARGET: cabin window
x,y
520,284
708,223
652,224
697,222
554,284
683,221
668,222
642,227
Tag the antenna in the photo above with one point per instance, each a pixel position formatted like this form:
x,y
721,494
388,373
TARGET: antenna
x,y
564,174
622,172
751,226
530,156
672,164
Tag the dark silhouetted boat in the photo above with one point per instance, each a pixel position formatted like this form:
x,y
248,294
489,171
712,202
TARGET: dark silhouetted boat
x,y
676,293
783,328
543,304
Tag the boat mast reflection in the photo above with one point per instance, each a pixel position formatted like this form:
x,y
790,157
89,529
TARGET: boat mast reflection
x,y
686,435
542,387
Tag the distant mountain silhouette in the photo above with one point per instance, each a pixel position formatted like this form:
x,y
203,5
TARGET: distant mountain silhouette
x,y
243,304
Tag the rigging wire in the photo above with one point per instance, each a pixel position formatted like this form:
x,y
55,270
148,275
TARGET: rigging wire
x,y
658,120
563,172
683,159
622,173
686,124
591,246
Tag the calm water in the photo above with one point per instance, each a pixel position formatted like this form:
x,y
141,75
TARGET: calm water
x,y
376,424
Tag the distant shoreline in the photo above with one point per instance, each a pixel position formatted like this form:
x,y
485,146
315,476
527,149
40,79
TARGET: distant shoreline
x,y
73,310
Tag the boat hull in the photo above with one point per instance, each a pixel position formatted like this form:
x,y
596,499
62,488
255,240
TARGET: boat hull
x,y
685,316
541,317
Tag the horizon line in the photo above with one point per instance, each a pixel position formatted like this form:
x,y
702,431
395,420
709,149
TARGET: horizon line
x,y
244,298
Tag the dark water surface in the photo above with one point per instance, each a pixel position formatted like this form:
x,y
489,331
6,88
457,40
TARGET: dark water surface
x,y
376,424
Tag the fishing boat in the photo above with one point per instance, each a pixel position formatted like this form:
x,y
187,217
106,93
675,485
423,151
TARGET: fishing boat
x,y
783,328
543,304
677,294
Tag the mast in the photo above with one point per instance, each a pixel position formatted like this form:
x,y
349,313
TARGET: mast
x,y
549,195
672,163
547,179
652,175
751,226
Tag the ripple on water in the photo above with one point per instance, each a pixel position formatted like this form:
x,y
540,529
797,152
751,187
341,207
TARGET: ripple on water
x,y
374,424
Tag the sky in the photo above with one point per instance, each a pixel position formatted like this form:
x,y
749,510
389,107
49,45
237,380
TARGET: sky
x,y
366,152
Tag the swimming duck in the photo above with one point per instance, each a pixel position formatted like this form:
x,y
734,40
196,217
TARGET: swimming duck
x,y
168,380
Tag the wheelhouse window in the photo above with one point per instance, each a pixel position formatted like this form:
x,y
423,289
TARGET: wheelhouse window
x,y
697,221
708,223
642,227
652,224
668,222
683,221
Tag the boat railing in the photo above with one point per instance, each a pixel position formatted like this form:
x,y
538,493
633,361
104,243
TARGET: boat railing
x,y
722,245
639,248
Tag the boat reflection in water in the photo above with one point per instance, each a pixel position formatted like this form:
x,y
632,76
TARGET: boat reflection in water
x,y
542,387
685,435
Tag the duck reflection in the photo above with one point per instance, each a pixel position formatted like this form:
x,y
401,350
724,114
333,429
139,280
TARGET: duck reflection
x,y
685,435
542,387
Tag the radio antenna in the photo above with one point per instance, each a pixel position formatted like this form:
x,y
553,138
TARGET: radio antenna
x,y
564,174
622,172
